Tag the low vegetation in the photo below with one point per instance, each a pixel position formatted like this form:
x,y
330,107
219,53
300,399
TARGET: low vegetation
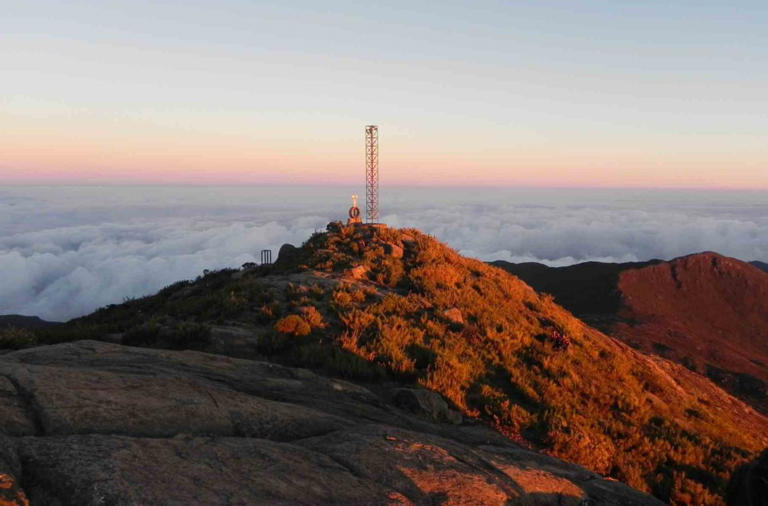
x,y
368,304
15,338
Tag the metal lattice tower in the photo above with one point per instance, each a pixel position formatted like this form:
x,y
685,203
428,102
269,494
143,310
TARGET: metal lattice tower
x,y
371,173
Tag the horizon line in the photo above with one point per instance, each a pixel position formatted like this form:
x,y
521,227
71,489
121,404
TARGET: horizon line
x,y
165,184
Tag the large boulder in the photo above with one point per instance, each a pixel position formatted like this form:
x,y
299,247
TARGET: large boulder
x,y
97,423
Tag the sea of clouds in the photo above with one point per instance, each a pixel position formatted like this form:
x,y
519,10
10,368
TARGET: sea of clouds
x,y
65,251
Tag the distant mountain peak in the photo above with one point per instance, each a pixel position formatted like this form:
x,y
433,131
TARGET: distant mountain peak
x,y
705,310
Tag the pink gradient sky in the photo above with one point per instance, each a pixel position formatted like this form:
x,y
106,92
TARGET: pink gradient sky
x,y
488,93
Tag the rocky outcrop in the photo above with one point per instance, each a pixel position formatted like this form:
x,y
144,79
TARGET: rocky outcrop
x,y
393,250
426,402
288,255
98,423
359,272
453,315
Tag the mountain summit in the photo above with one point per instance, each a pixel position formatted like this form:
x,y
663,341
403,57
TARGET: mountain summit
x,y
407,317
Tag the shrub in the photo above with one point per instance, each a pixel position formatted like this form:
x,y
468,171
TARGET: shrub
x,y
176,336
16,338
312,316
293,325
341,298
267,313
142,336
316,291
189,335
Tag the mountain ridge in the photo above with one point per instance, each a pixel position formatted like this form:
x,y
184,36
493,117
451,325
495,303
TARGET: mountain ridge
x,y
24,322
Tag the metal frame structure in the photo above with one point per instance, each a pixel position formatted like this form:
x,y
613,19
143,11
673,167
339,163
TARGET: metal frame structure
x,y
371,174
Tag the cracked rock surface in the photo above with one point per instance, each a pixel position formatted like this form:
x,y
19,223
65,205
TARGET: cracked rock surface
x,y
92,423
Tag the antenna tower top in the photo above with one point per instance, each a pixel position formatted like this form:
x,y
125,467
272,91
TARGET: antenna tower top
x,y
371,173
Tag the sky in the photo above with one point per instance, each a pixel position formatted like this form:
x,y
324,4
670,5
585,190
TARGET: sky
x,y
653,94
67,250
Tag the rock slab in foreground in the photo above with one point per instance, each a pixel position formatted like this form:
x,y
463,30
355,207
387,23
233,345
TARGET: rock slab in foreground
x,y
90,423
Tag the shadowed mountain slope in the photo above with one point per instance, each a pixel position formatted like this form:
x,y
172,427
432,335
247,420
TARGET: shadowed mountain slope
x,y
749,485
706,311
760,265
587,289
394,308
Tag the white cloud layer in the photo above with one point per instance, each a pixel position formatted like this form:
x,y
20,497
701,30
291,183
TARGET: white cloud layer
x,y
67,251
